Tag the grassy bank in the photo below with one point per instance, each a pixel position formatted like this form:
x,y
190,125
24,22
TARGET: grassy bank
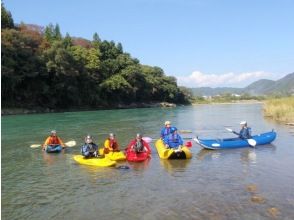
x,y
281,109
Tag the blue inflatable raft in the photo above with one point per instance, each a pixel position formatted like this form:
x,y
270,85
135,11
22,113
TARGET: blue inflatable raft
x,y
229,143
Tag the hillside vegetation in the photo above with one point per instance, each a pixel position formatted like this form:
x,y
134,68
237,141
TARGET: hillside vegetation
x,y
42,68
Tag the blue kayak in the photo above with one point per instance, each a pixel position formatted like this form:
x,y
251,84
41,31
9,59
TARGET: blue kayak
x,y
53,149
229,143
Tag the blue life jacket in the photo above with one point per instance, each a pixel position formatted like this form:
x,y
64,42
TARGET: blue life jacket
x,y
173,140
87,149
164,132
245,133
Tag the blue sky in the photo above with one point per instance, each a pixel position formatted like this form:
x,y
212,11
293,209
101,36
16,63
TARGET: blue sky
x,y
201,42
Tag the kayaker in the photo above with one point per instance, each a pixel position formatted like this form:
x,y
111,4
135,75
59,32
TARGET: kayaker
x,y
173,140
89,149
166,130
139,145
111,144
245,132
53,141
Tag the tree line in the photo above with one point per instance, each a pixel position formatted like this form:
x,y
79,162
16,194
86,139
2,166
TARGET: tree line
x,y
42,68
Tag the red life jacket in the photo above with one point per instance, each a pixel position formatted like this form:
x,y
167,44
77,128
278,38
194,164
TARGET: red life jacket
x,y
53,140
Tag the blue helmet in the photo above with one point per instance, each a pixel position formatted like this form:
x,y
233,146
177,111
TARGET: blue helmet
x,y
173,129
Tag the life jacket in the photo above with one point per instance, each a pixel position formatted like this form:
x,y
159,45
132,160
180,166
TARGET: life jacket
x,y
165,131
113,144
53,140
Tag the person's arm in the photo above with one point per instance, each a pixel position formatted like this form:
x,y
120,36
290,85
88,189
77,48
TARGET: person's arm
x,y
46,142
181,142
106,144
249,133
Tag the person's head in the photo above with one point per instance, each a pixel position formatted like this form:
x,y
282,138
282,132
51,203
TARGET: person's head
x,y
88,139
53,133
173,130
139,137
243,124
167,124
111,136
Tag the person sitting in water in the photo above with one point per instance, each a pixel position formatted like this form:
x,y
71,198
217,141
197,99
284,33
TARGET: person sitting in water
x,y
89,149
111,144
173,140
139,145
245,132
53,141
166,130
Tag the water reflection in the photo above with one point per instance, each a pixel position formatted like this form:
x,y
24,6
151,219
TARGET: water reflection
x,y
140,165
52,158
174,166
247,155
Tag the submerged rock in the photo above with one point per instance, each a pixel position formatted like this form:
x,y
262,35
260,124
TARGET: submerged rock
x,y
251,188
257,199
274,212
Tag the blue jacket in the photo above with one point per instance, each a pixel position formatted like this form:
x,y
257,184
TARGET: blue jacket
x,y
164,132
244,133
173,140
87,149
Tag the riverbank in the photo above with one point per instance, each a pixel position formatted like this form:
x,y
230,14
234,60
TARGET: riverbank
x,y
253,101
281,109
36,110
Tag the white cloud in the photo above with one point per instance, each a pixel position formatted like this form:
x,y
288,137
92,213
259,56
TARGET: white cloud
x,y
199,79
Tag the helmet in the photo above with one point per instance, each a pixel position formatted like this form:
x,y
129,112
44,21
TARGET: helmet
x,y
173,129
88,139
167,123
112,135
53,132
139,135
243,122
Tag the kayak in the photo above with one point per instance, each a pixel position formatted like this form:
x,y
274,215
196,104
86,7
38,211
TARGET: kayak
x,y
169,153
53,149
229,143
115,156
137,157
98,162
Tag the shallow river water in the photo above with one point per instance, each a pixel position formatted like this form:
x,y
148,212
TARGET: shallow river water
x,y
247,183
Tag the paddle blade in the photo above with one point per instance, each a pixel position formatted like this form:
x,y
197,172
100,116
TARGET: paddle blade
x,y
188,144
251,142
185,131
229,129
35,145
70,144
147,139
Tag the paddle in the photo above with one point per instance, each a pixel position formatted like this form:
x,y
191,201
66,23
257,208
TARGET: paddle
x,y
67,144
149,139
250,141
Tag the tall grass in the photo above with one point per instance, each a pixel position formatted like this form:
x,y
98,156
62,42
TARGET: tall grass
x,y
281,109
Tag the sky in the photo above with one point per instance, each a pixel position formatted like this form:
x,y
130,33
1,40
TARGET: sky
x,y
200,42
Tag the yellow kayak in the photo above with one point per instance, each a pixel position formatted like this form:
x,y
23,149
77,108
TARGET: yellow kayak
x,y
115,156
98,162
167,153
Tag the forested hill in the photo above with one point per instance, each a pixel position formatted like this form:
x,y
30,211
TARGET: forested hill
x,y
41,68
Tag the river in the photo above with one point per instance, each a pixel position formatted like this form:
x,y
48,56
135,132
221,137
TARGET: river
x,y
243,183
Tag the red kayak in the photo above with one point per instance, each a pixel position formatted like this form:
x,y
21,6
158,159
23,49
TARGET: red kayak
x,y
133,156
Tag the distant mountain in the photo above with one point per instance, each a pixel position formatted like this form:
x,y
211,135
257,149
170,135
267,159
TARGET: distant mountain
x,y
282,86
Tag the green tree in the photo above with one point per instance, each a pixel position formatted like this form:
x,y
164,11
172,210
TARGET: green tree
x,y
6,18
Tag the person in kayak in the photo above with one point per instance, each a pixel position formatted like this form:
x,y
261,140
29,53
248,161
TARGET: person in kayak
x,y
89,149
53,141
139,145
166,130
173,140
245,132
111,144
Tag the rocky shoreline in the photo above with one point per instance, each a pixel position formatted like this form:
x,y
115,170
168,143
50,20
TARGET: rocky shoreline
x,y
36,110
